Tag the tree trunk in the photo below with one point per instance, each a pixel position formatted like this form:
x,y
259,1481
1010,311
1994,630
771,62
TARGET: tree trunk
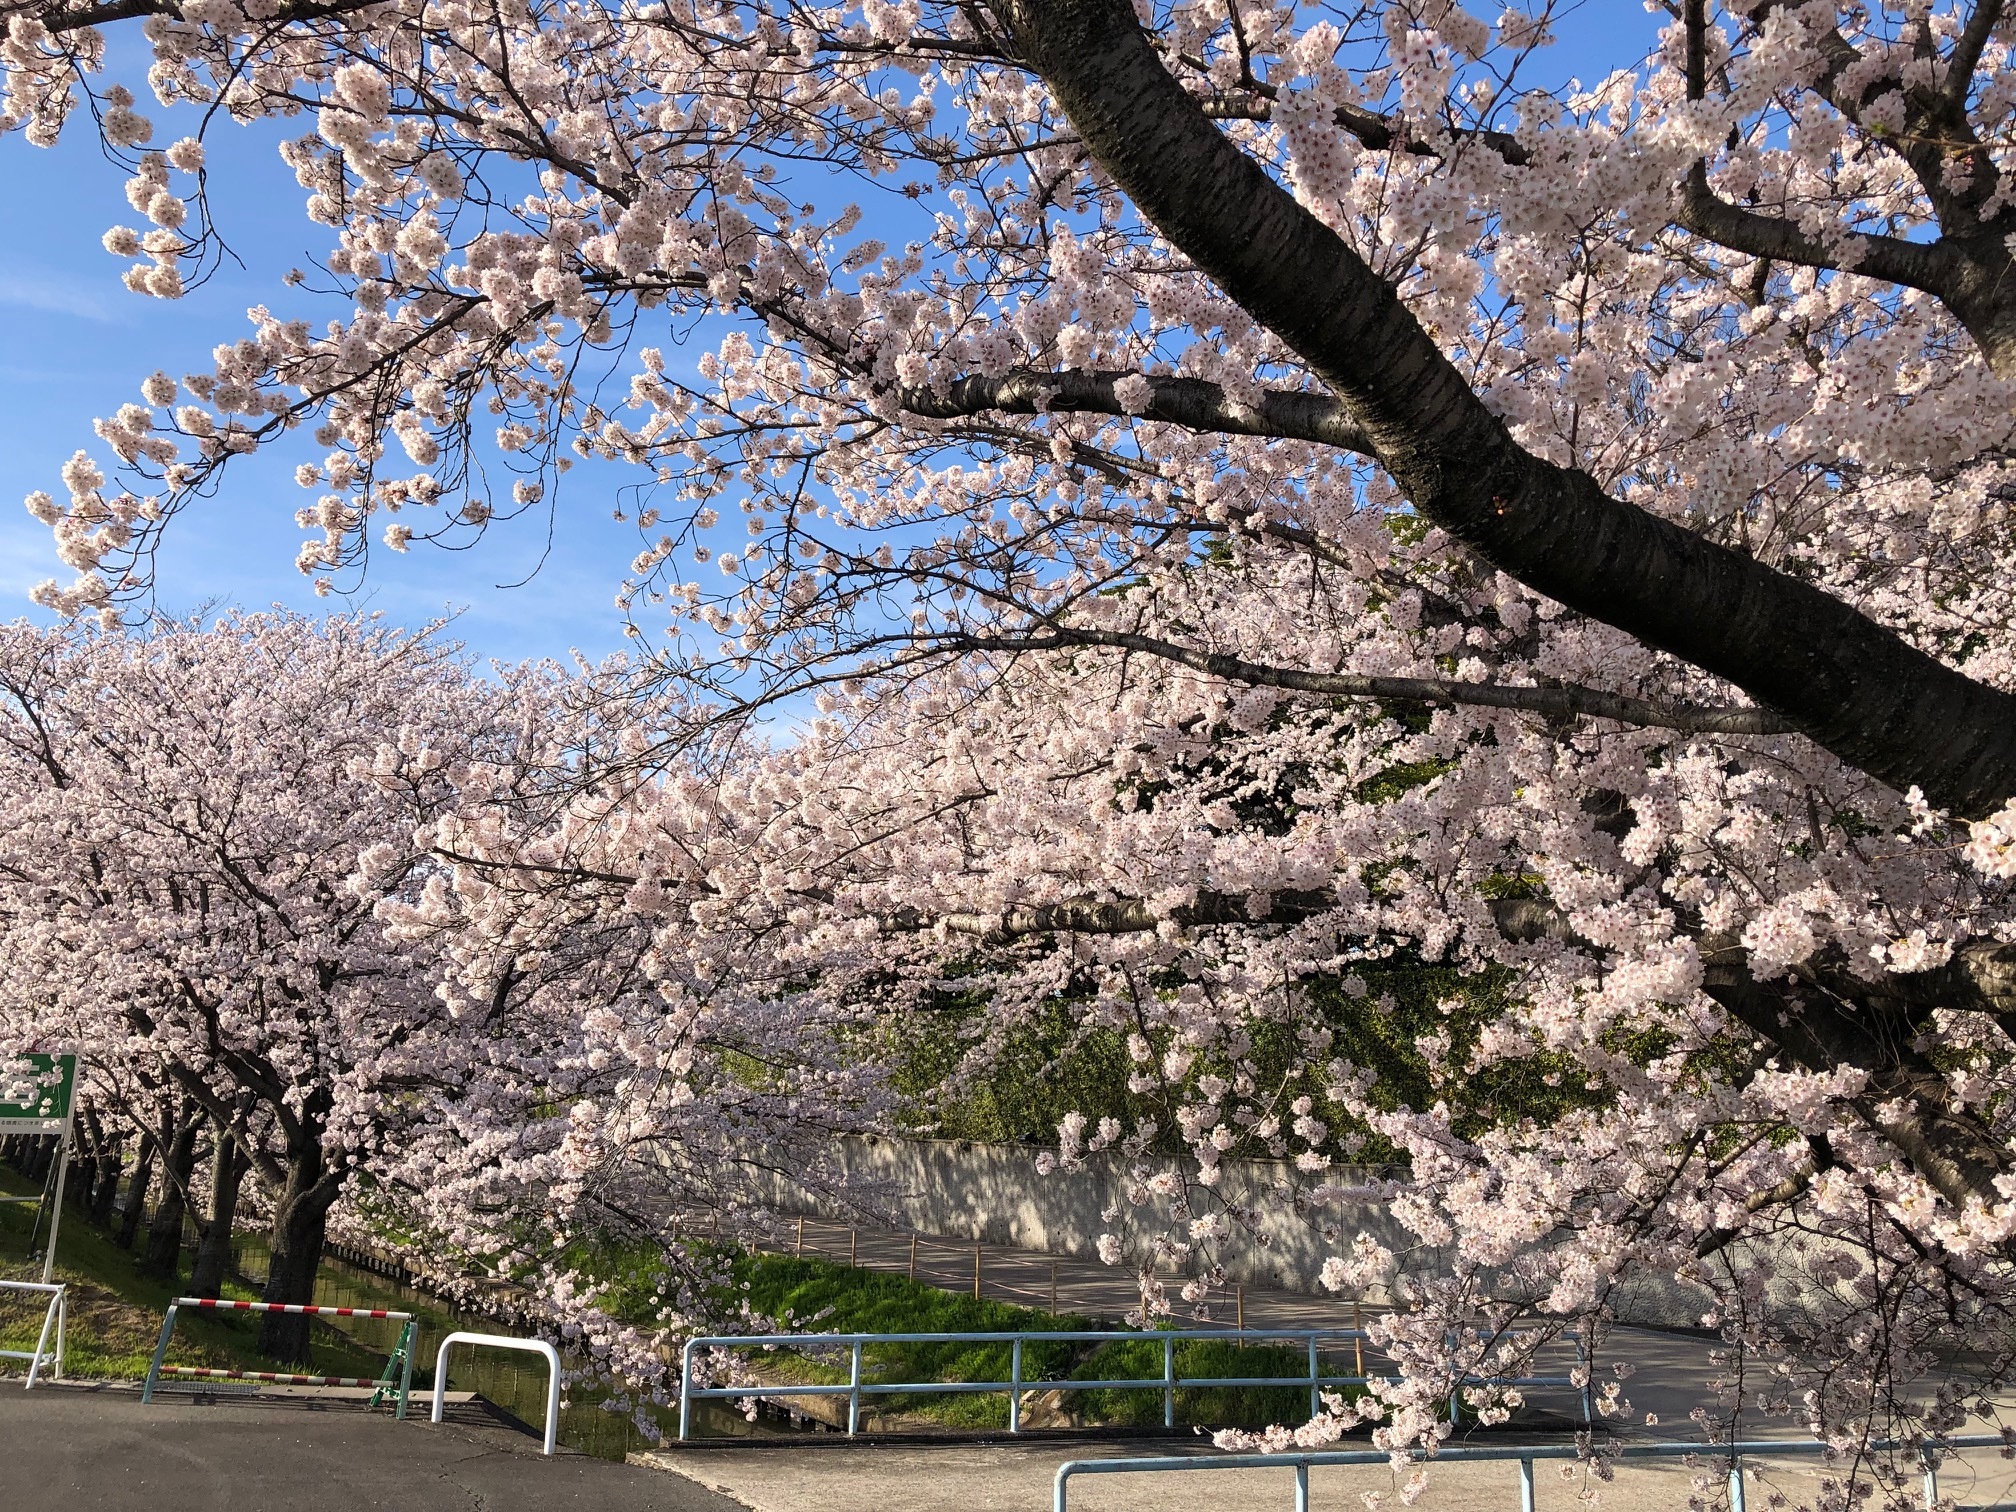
x,y
136,1192
300,1223
228,1163
164,1234
106,1194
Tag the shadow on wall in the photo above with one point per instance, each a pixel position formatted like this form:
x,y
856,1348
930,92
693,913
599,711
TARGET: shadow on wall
x,y
953,1189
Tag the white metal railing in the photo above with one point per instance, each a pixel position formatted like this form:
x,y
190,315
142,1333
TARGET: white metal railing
x,y
1730,1455
55,1314
503,1341
1168,1383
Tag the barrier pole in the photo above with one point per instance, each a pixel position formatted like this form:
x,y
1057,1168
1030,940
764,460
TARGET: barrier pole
x,y
1015,1387
1930,1460
499,1341
406,1369
1525,1485
854,1391
42,1343
160,1354
1315,1391
56,1213
1168,1381
1736,1503
1301,1488
685,1383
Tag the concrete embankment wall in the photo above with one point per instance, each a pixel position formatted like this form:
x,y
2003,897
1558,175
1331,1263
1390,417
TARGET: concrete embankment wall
x,y
995,1194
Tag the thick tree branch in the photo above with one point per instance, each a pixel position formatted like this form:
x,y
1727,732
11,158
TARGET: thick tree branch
x,y
1853,687
1565,702
1282,414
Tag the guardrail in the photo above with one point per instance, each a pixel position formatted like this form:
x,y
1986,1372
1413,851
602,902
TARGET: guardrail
x,y
1167,1383
1525,1454
399,1360
57,1313
503,1341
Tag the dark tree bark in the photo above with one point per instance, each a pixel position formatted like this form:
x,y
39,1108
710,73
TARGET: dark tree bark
x,y
228,1165
163,1254
299,1228
1845,682
106,1193
136,1191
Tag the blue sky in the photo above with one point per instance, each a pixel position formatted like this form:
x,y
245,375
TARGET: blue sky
x,y
77,345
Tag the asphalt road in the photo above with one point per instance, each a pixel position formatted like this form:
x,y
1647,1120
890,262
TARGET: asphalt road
x,y
72,1447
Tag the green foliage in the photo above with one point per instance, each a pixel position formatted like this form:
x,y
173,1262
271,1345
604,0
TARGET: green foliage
x,y
1016,1089
820,1296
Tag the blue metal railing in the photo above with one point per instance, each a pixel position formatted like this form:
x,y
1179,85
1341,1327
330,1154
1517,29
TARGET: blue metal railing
x,y
1167,1383
1525,1454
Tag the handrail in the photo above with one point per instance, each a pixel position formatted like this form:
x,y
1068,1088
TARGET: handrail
x,y
1167,1383
503,1341
56,1313
1928,1451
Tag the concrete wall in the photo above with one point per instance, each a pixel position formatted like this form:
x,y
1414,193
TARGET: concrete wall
x,y
994,1193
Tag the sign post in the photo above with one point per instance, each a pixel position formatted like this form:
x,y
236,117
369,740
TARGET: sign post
x,y
38,1096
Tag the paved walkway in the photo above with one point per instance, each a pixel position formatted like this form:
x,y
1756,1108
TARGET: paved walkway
x,y
835,1476
97,1447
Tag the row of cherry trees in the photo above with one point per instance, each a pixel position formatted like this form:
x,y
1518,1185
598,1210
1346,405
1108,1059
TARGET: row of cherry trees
x,y
1235,491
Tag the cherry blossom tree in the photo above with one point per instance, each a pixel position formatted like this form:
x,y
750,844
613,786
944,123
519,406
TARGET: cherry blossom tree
x,y
1249,488
184,815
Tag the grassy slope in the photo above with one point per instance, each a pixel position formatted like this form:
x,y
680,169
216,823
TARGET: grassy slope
x,y
115,1312
818,1295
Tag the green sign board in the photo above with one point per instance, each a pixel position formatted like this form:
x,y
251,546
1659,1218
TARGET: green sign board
x,y
35,1093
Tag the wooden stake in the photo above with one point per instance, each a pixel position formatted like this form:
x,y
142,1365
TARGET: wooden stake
x,y
913,1257
1358,1323
1239,1301
853,1247
976,1270
801,1238
1053,1288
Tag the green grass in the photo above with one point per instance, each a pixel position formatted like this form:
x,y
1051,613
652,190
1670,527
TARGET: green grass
x,y
821,1296
115,1311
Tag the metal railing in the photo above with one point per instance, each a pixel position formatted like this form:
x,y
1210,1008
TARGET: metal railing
x,y
503,1341
1525,1455
398,1364
55,1313
1168,1383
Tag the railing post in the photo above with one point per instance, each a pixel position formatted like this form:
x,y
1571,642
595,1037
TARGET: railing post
x,y
1525,1485
406,1369
1736,1503
160,1354
685,1387
1587,1356
1929,1458
1168,1382
854,1392
1015,1387
1301,1486
1315,1391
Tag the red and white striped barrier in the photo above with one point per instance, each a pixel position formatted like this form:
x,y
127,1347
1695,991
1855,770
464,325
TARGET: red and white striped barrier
x,y
402,1361
280,1377
225,1305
